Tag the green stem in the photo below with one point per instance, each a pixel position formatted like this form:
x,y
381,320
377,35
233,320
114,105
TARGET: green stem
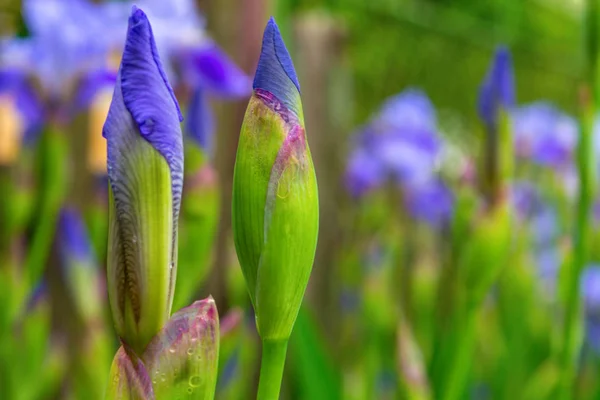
x,y
271,369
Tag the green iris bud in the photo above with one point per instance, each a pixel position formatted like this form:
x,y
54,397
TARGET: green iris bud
x,y
275,207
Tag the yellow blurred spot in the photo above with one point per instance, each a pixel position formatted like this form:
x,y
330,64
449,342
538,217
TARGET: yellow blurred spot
x,y
11,131
114,59
96,143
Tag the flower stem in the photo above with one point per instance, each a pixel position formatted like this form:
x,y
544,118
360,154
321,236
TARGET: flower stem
x,y
271,369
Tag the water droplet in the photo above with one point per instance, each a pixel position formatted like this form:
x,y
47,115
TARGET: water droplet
x,y
163,377
172,350
147,127
190,351
190,390
195,381
193,339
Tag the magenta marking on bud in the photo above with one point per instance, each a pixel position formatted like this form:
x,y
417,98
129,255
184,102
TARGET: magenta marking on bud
x,y
272,102
291,154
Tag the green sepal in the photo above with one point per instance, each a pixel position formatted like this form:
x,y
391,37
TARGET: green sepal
x,y
275,216
142,258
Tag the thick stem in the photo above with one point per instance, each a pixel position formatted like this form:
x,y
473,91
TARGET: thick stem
x,y
271,369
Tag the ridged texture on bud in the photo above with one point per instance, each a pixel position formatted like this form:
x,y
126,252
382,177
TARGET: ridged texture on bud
x,y
145,170
275,201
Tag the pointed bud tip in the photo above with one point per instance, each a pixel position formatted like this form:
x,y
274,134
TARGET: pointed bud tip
x,y
275,64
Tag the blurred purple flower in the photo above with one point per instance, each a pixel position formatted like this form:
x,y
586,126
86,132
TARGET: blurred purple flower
x,y
431,202
73,240
68,38
364,172
401,142
544,135
208,67
15,86
404,136
199,124
498,88
590,290
525,199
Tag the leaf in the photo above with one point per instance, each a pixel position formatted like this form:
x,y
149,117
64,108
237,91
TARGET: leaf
x,y
313,367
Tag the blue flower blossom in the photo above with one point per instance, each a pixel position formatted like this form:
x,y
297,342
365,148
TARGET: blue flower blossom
x,y
364,172
545,135
431,202
400,142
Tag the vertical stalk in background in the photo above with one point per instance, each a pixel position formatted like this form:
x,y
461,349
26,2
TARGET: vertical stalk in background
x,y
482,257
572,328
52,172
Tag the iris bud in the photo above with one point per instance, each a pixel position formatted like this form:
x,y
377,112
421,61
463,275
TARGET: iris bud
x,y
275,201
145,170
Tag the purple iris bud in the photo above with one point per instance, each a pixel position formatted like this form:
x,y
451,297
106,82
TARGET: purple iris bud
x,y
431,202
544,135
498,88
147,97
275,70
200,124
145,170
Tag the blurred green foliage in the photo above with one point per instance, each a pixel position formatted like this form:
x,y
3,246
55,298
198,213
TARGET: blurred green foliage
x,y
444,47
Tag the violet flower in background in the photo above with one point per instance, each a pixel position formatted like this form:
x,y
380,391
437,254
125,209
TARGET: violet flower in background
x,y
401,142
497,92
16,90
432,203
542,219
544,135
68,40
405,137
590,290
364,172
526,199
200,124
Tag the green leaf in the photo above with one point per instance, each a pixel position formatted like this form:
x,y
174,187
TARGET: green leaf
x,y
313,368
